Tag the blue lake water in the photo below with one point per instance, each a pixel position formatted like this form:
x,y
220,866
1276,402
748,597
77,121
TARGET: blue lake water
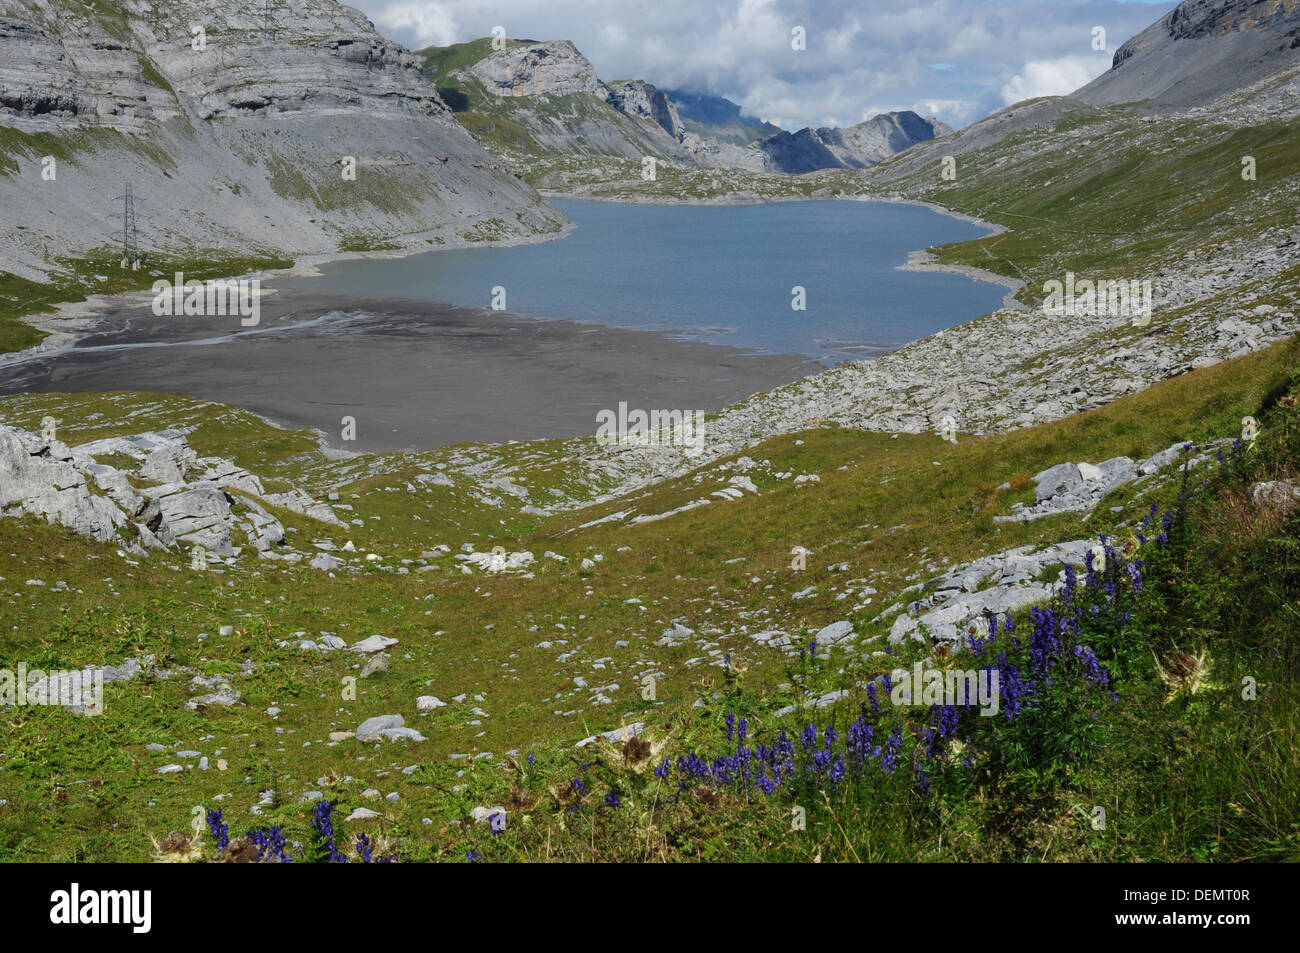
x,y
718,274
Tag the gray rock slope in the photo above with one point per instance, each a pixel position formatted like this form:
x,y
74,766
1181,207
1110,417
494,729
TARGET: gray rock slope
x,y
167,497
552,91
1203,54
239,145
1199,51
851,147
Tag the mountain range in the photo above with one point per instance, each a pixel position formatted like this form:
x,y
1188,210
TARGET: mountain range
x,y
237,140
551,93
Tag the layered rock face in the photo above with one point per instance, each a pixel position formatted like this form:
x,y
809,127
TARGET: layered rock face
x,y
638,98
234,136
189,501
543,69
552,90
553,74
1199,51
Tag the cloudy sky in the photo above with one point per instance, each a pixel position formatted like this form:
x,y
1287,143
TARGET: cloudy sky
x,y
957,59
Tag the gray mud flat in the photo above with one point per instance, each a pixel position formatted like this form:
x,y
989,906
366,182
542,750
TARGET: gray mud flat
x,y
415,375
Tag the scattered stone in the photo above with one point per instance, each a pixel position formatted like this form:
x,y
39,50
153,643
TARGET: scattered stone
x,y
220,699
1276,494
373,644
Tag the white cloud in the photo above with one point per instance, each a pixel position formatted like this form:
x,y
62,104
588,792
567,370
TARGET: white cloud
x,y
859,52
1052,77
418,23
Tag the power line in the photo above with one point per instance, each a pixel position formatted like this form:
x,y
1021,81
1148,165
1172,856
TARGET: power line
x,y
130,241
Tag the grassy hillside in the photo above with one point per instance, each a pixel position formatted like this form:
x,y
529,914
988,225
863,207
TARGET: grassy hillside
x,y
513,646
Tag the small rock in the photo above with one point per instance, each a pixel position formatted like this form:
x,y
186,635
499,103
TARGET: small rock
x,y
373,644
221,699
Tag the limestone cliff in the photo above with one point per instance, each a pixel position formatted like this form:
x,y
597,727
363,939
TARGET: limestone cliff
x,y
1199,51
235,129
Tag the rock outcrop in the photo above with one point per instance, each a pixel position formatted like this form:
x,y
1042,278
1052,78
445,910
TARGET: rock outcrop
x,y
638,98
541,69
206,502
552,91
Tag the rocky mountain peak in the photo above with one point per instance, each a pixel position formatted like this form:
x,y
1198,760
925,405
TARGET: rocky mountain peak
x,y
553,68
1199,51
636,97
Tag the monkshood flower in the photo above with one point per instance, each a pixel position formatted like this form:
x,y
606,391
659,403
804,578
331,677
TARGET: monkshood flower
x,y
270,844
323,823
945,718
473,855
922,781
220,831
661,772
364,848
1092,668
889,757
1067,593
1013,688
1045,645
872,699
612,799
860,736
742,729
731,725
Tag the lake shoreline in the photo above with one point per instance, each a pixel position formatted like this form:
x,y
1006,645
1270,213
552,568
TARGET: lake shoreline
x,y
416,370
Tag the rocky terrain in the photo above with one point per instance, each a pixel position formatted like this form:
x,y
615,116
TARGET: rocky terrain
x,y
1199,51
535,86
235,145
161,495
551,91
